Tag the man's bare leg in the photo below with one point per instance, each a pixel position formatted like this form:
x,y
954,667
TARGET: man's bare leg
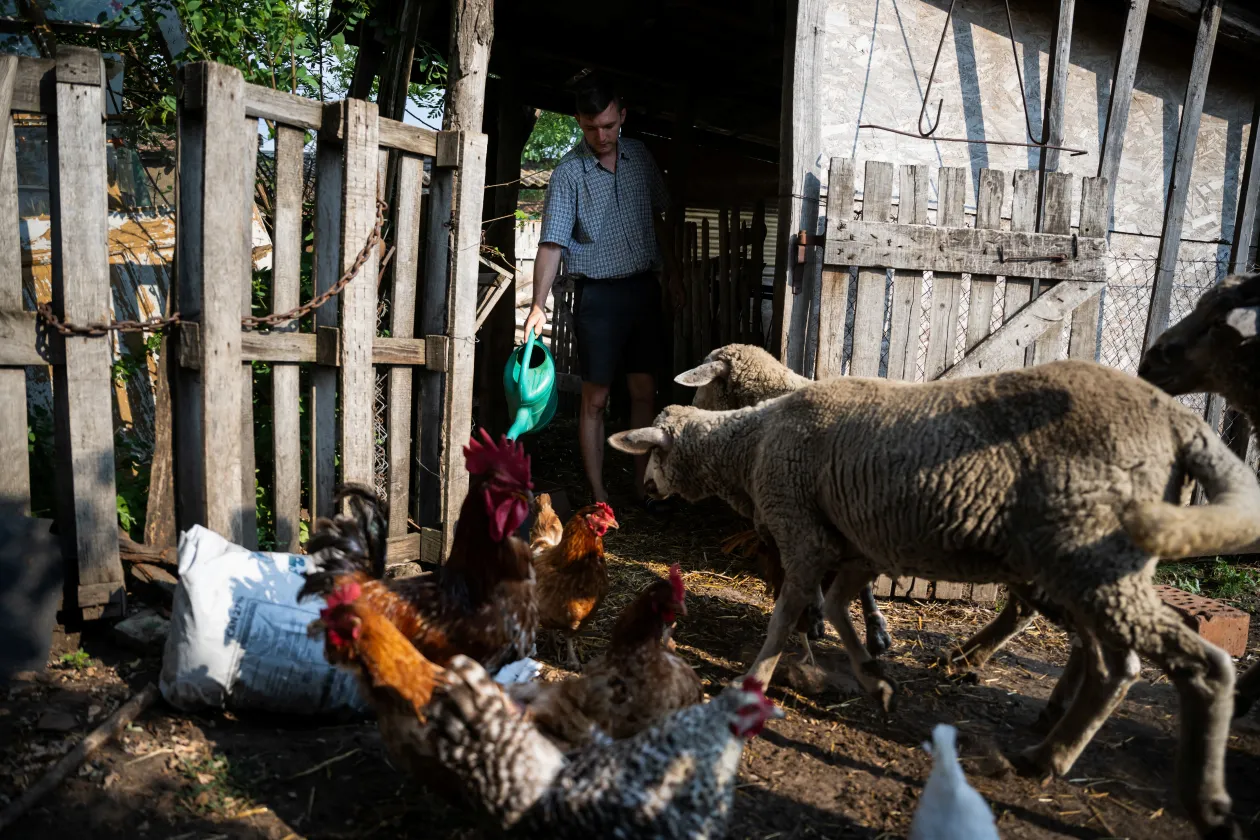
x,y
591,437
642,388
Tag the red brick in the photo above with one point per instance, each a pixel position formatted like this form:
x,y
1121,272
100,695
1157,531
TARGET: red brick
x,y
1219,623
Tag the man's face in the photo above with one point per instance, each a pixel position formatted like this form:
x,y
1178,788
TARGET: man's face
x,y
601,131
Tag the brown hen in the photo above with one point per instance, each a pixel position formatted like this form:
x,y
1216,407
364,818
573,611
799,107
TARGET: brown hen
x,y
572,575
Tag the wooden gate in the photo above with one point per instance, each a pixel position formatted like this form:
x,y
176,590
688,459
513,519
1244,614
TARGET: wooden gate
x,y
1050,278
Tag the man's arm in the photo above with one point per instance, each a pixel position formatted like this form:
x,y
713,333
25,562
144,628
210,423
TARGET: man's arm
x,y
559,216
546,265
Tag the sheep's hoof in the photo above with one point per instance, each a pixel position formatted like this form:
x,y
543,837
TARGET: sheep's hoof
x,y
1033,763
880,688
877,639
957,662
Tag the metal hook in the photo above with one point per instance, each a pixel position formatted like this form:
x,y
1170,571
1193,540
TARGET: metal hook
x,y
932,77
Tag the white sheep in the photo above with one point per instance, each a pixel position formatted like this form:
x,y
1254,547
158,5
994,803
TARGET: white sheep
x,y
1056,477
742,375
1216,348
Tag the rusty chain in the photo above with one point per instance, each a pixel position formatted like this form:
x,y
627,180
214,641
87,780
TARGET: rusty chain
x,y
249,322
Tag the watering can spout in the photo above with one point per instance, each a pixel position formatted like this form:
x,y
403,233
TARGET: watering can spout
x,y
530,390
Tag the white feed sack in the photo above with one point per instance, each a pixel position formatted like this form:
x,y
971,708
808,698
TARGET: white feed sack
x,y
238,635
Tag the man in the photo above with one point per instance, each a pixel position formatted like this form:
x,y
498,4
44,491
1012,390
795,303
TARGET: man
x,y
604,213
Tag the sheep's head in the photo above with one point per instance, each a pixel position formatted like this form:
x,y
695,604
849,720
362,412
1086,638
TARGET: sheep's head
x,y
711,379
667,474
1215,348
736,376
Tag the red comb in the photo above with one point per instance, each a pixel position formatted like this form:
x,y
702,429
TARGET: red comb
x,y
675,579
506,457
346,593
606,509
752,684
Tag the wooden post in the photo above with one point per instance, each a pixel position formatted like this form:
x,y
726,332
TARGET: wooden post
x,y
695,300
868,309
396,70
946,286
736,262
800,144
81,387
472,30
1056,198
249,483
323,401
834,297
758,335
989,199
285,295
15,481
213,266
1183,162
1121,99
1248,201
907,290
1056,96
723,331
707,338
1083,340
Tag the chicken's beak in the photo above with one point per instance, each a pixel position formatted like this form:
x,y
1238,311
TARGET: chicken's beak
x,y
612,523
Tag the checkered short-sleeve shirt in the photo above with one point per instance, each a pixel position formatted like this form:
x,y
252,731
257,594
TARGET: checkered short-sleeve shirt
x,y
603,219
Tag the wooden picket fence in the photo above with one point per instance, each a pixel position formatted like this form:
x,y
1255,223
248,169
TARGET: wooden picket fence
x,y
433,273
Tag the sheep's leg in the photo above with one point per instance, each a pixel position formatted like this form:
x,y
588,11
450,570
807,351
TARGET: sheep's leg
x,y
1246,690
1108,674
1204,676
1065,688
865,667
816,627
809,652
976,651
877,639
787,611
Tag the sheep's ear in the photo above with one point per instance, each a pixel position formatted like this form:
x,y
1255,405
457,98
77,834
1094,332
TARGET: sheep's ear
x,y
705,373
1244,320
641,441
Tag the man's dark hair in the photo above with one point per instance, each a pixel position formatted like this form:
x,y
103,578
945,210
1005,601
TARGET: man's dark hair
x,y
594,92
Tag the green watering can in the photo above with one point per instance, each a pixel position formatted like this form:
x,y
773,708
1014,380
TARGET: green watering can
x,y
530,385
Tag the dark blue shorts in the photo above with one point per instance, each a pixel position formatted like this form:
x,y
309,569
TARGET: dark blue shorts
x,y
619,325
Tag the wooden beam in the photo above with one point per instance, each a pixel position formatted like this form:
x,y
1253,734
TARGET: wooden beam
x,y
1121,99
322,348
472,30
834,294
285,378
929,248
15,483
400,51
1006,346
1056,96
1183,163
1248,201
800,144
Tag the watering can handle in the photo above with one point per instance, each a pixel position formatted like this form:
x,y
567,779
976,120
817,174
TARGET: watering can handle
x,y
525,359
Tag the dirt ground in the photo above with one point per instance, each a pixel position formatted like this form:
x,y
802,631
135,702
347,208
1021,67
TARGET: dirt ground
x,y
833,768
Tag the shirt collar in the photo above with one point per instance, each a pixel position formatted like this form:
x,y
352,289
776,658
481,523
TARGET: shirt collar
x,y
588,157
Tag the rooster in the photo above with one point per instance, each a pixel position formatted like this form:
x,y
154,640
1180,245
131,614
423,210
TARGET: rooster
x,y
572,576
636,683
482,604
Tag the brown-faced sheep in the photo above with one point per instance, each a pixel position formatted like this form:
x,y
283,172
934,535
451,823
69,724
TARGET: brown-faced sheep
x,y
1216,348
742,375
1024,477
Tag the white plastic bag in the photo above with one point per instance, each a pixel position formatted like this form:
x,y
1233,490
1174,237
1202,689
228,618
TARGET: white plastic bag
x,y
238,635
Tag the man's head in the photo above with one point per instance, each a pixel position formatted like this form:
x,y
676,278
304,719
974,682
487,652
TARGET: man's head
x,y
599,113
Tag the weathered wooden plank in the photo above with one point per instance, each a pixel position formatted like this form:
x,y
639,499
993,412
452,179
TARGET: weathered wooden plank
x,y
285,295
706,291
834,298
328,208
283,107
800,144
1019,290
695,299
758,268
17,342
407,220
989,198
412,139
1118,107
1248,201
80,280
907,289
1056,219
357,381
724,278
1183,162
461,304
1055,98
1005,347
15,481
946,283
402,548
883,586
249,481
963,250
872,283
736,242
1083,340
35,86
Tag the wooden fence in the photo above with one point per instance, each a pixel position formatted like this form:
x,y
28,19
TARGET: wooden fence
x,y
433,243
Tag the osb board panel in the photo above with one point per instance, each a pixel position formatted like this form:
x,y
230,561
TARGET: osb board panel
x,y
875,66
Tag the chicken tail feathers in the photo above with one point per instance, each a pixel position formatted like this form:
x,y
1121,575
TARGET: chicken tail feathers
x,y
349,542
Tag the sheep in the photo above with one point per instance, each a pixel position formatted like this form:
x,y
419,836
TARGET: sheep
x,y
1055,478
1216,348
741,375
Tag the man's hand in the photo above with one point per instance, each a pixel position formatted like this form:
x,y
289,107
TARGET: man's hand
x,y
536,320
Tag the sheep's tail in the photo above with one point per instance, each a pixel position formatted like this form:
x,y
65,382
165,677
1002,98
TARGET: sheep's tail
x,y
1229,524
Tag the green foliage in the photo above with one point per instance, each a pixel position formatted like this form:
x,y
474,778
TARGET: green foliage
x,y
77,660
1221,578
553,135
